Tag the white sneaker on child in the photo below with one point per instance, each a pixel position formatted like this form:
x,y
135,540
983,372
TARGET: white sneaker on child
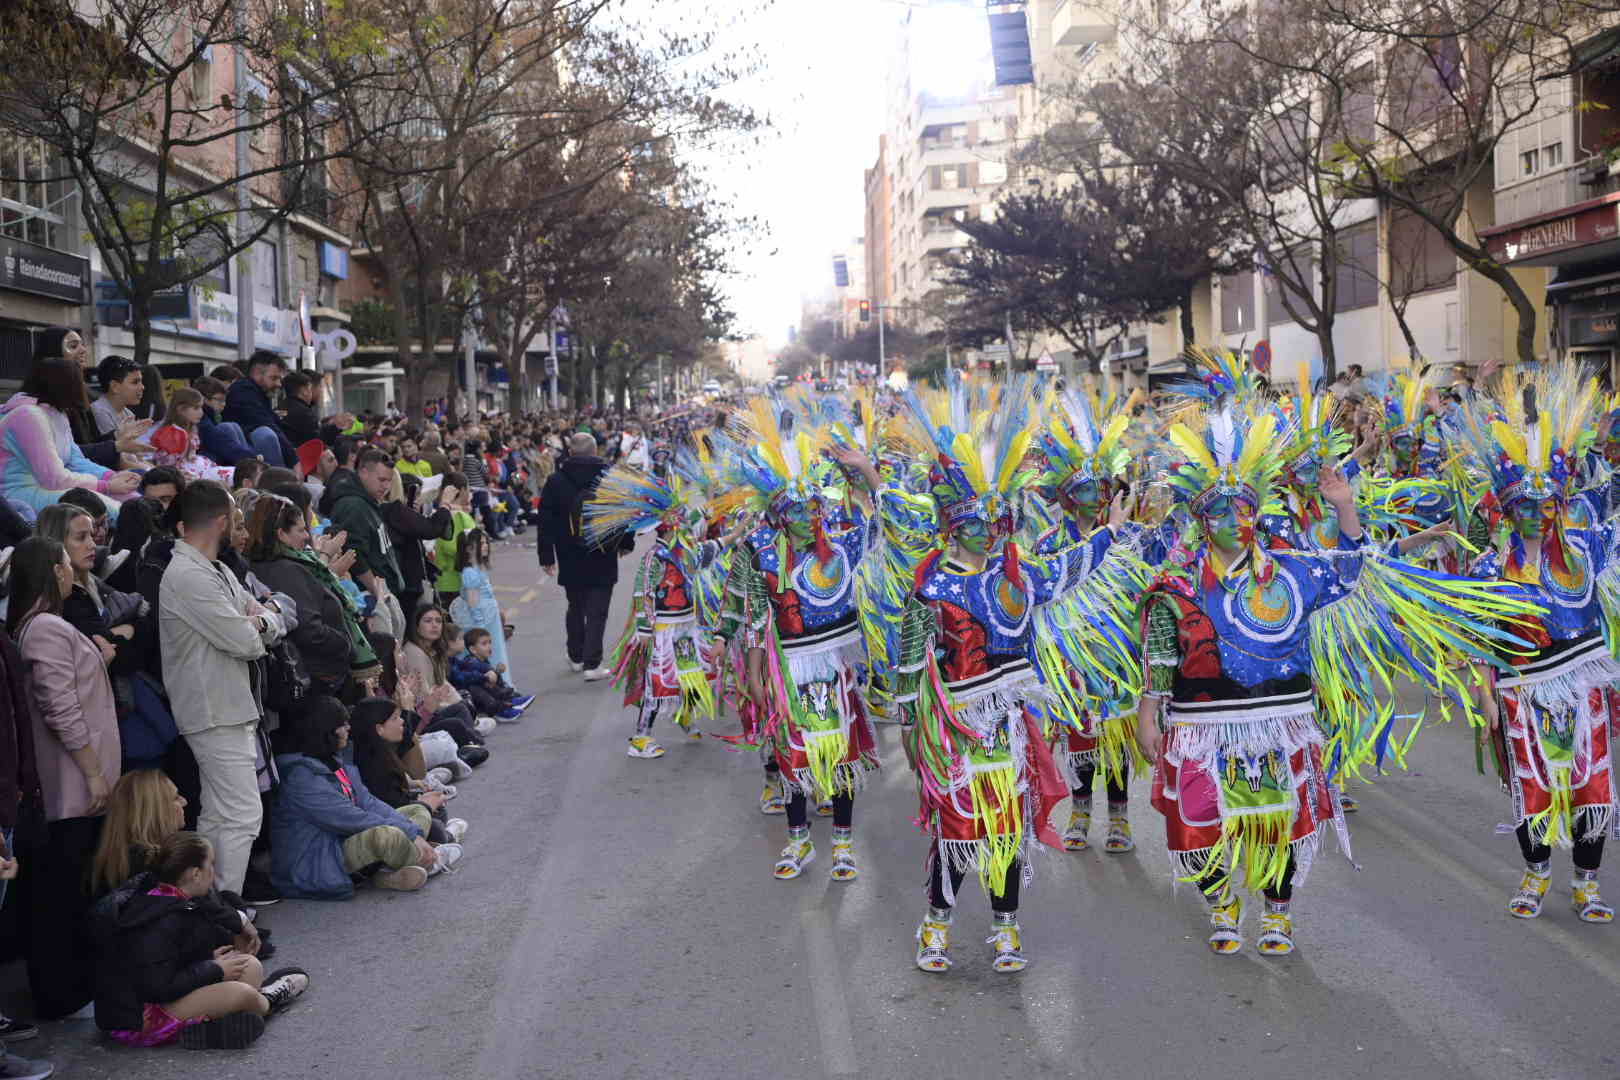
x,y
449,855
484,725
457,828
437,778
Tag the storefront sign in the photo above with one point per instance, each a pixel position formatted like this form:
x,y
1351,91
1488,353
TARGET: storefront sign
x,y
1594,329
1591,225
29,268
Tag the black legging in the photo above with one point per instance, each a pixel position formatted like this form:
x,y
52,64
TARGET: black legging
x,y
1005,904
1282,892
1588,854
798,811
1086,774
457,721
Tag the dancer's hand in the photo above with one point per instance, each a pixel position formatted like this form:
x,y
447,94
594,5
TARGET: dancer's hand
x,y
1490,711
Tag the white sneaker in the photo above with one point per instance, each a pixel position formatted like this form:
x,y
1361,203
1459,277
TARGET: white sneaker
x,y
486,724
459,769
457,828
598,674
437,778
576,668
449,855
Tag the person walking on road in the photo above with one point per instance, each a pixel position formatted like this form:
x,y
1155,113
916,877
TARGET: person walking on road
x,y
587,572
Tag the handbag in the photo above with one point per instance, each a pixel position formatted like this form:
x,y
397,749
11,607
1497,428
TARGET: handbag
x,y
287,679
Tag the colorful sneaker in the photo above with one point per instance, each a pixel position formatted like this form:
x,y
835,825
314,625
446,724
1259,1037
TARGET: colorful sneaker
x,y
522,702
1224,919
824,809
771,800
1074,837
1589,906
1119,836
933,944
1276,934
843,857
1526,903
1004,935
509,715
1349,804
798,854
642,746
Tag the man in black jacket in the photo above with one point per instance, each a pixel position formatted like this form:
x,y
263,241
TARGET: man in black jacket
x,y
587,573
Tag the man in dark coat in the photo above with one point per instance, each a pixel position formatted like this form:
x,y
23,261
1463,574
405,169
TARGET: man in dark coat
x,y
247,403
586,572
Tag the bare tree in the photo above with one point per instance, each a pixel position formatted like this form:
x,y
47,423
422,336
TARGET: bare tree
x,y
132,114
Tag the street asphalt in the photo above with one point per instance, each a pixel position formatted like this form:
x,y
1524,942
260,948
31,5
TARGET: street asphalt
x,y
617,918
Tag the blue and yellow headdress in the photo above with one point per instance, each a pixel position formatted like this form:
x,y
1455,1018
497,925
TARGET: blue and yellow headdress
x,y
980,434
781,462
1078,450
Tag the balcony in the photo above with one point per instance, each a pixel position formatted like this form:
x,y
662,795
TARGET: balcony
x,y
1075,24
943,237
931,202
1555,190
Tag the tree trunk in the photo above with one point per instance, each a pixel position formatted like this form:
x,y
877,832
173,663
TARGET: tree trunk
x,y
1189,336
140,324
1524,340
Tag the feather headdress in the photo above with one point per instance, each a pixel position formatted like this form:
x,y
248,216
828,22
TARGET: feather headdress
x,y
1220,375
1530,441
1235,454
980,433
1080,451
779,459
630,500
1315,433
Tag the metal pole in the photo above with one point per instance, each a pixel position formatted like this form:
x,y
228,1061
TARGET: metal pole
x,y
244,198
882,372
1008,316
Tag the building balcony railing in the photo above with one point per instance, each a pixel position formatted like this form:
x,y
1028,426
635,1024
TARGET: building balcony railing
x,y
1075,24
1552,191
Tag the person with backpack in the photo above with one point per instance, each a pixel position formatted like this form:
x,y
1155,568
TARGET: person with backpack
x,y
587,572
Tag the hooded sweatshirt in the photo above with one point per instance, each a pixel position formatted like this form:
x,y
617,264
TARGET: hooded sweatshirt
x,y
352,508
38,457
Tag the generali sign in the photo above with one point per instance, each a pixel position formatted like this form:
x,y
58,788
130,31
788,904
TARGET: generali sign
x,y
1590,225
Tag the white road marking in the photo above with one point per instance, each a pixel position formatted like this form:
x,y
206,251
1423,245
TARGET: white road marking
x,y
827,994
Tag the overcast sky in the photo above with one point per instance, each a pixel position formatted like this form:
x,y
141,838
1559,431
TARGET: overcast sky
x,y
823,84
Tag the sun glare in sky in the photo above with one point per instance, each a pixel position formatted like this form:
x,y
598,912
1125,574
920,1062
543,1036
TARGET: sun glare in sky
x,y
950,52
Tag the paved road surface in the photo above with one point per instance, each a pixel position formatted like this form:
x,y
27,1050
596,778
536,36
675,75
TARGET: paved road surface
x,y
617,918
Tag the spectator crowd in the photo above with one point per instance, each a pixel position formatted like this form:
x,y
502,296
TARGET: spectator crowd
x,y
251,647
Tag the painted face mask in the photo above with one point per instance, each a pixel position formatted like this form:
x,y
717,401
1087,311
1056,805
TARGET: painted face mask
x,y
1531,518
974,536
1084,497
1304,473
1228,520
1404,445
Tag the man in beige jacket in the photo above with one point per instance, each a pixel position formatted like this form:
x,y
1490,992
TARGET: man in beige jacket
x,y
211,630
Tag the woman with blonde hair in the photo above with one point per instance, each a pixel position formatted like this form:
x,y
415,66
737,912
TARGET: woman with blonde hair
x,y
144,810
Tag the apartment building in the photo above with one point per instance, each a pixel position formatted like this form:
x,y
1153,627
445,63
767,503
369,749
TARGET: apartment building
x,y
942,158
1557,203
877,229
52,274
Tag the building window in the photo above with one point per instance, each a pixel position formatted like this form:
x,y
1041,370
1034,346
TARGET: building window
x,y
1530,163
1237,303
202,80
1419,257
33,194
1552,155
1356,276
266,287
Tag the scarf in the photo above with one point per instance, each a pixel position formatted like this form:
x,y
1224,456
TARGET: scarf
x,y
363,665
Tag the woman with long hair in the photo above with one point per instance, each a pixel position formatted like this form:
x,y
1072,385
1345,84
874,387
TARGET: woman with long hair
x,y
329,637
145,809
39,458
76,743
426,677
377,728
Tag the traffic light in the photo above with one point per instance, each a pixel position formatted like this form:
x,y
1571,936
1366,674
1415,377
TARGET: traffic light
x,y
866,311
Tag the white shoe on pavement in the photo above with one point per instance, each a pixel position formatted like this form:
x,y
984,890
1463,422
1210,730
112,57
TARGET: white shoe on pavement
x,y
438,777
449,855
598,674
575,668
484,725
457,828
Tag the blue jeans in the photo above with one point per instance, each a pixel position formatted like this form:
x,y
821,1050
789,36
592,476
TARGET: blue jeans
x,y
267,442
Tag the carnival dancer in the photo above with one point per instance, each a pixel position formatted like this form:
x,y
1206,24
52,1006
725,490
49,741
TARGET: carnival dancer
x,y
664,660
988,783
1234,637
790,601
1084,468
1550,717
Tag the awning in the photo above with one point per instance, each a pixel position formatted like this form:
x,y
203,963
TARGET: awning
x,y
1599,52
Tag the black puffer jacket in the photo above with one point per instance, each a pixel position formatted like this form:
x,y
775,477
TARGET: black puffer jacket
x,y
164,945
578,563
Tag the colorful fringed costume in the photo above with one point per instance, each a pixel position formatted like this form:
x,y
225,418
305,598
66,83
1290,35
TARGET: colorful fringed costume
x,y
1558,705
988,782
1092,689
790,602
665,659
1244,648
